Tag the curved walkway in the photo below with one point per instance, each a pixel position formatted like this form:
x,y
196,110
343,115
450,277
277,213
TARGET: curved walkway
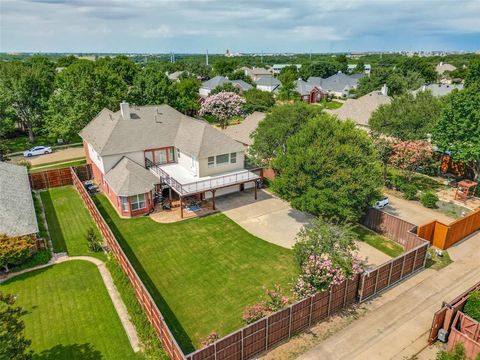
x,y
109,284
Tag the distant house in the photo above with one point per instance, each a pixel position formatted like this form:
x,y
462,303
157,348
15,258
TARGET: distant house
x,y
211,84
367,68
337,85
139,154
439,89
268,83
175,76
442,67
16,204
243,131
309,93
359,110
255,73
277,68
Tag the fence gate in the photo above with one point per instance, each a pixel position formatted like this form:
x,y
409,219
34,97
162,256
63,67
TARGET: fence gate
x,y
437,323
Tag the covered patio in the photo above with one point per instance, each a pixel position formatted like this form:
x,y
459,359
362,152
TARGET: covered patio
x,y
187,186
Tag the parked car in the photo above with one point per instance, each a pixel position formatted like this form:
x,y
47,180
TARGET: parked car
x,y
381,203
38,150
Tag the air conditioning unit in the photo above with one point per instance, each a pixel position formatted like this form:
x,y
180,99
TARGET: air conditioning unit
x,y
442,335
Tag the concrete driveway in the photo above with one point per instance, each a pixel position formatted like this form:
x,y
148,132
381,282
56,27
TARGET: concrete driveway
x,y
269,218
414,212
274,220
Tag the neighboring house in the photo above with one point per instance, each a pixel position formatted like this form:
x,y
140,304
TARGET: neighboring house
x,y
439,89
211,84
359,110
268,83
337,85
367,68
243,131
141,153
255,73
277,68
175,76
309,93
16,203
442,67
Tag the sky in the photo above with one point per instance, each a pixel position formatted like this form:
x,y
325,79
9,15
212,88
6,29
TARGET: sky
x,y
192,26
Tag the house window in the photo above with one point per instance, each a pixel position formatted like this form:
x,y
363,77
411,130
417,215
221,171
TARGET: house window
x,y
221,159
211,161
233,158
171,155
124,203
138,202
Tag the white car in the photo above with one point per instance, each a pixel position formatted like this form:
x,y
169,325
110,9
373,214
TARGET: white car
x,y
38,150
381,203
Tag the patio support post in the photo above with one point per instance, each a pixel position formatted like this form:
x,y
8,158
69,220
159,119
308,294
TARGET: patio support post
x,y
181,207
255,183
213,200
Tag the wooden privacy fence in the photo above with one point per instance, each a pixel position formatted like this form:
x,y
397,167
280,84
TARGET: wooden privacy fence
x,y
154,315
268,332
443,236
394,270
58,177
461,328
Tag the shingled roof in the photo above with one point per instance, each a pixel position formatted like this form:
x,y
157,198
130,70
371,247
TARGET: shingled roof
x,y
244,130
16,204
155,126
128,178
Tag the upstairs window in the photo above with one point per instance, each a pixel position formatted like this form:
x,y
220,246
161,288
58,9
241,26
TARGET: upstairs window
x,y
221,159
211,161
233,158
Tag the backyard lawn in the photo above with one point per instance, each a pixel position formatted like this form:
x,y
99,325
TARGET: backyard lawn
x,y
68,220
385,245
69,313
201,272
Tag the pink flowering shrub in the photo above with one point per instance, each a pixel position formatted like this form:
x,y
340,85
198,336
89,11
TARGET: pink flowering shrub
x,y
211,338
223,106
319,273
275,301
410,155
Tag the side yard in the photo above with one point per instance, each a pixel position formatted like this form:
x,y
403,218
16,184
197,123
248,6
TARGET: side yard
x,y
201,272
69,313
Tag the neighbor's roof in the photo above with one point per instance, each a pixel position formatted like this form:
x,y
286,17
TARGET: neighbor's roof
x,y
128,178
256,71
442,67
17,213
337,83
304,88
242,84
214,82
268,80
359,110
176,75
439,89
243,131
152,127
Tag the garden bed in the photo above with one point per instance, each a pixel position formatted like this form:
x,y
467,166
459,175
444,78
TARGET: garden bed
x,y
200,272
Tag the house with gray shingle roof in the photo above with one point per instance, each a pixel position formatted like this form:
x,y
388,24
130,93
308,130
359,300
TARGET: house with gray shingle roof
x,y
216,81
16,203
308,92
267,83
337,85
139,153
438,90
242,132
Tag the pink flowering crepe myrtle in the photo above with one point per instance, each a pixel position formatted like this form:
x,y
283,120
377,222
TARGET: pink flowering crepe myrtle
x,y
223,106
319,273
409,155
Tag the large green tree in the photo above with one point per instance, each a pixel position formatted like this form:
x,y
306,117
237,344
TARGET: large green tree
x,y
407,117
320,69
472,77
151,86
329,169
395,81
81,91
25,88
257,100
186,95
121,65
420,65
288,89
271,135
13,344
458,129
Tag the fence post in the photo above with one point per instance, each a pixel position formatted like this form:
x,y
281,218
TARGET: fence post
x,y
215,350
266,334
360,289
427,245
403,266
329,301
241,345
414,260
311,311
346,292
290,322
376,281
46,179
390,273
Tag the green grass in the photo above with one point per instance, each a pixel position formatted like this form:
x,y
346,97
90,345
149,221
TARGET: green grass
x,y
70,314
58,165
379,242
421,181
437,262
21,143
331,104
453,210
68,220
201,272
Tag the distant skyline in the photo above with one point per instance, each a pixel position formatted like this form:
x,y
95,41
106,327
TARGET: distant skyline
x,y
246,26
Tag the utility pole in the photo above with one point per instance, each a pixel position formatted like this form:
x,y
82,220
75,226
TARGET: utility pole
x,y
206,58
261,57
